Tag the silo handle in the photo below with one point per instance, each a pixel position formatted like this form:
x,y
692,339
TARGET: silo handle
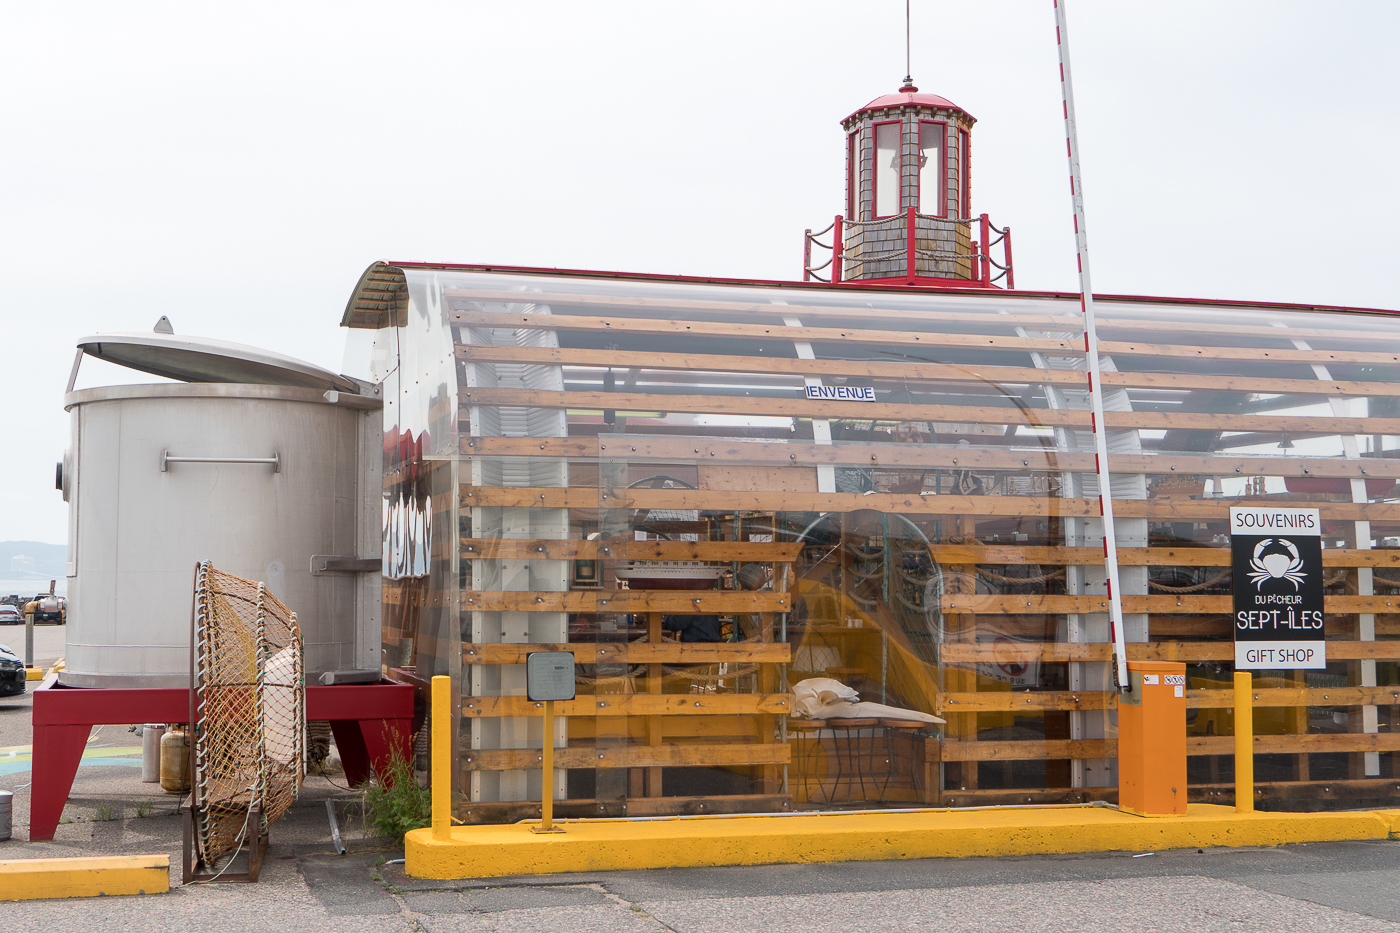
x,y
166,460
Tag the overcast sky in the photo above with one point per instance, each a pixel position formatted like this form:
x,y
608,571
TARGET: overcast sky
x,y
236,166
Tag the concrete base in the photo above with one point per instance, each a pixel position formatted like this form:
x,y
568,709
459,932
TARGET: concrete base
x,y
689,842
29,879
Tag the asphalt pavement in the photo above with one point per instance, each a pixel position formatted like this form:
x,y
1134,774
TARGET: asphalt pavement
x,y
1343,887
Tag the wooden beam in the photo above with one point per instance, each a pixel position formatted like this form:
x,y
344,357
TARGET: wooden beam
x,y
628,756
1034,701
1029,750
911,372
542,549
723,602
636,653
632,704
1190,651
798,407
674,328
923,456
1059,605
1313,743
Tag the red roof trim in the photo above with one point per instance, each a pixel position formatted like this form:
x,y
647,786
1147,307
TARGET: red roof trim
x,y
856,287
909,99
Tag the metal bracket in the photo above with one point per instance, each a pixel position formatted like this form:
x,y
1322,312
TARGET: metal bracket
x,y
326,563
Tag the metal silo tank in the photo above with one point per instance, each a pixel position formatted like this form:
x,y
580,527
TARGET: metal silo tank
x,y
264,465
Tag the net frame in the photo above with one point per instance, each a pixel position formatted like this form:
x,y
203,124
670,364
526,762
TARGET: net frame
x,y
248,711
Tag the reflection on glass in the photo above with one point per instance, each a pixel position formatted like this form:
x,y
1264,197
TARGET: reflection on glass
x,y
932,169
886,169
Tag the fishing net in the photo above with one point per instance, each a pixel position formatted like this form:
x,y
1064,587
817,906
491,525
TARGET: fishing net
x,y
249,714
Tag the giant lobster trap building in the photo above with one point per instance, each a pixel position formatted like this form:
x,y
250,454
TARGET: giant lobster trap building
x,y
836,543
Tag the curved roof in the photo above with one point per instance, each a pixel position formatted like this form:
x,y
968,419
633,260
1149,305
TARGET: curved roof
x,y
909,96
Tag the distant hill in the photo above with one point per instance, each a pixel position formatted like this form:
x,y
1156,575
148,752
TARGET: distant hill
x,y
26,567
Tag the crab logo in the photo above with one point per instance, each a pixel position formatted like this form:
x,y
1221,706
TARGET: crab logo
x,y
1285,564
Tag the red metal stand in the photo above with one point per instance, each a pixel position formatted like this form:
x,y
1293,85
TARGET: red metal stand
x,y
368,720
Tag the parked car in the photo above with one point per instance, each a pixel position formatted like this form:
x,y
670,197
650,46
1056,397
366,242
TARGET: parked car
x,y
10,615
13,679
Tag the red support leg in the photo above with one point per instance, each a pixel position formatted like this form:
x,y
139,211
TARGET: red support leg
x,y
383,737
57,752
351,745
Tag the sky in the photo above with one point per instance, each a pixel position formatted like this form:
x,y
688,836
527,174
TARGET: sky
x,y
236,166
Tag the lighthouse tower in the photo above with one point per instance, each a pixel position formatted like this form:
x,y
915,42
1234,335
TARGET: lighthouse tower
x,y
908,217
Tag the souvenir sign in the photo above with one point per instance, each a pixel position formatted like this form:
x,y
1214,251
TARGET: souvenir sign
x,y
1277,557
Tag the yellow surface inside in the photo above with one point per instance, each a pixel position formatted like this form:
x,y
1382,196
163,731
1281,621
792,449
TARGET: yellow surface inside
x,y
610,845
28,879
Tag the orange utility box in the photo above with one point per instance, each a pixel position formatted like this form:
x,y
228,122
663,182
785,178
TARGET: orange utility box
x,y
1152,740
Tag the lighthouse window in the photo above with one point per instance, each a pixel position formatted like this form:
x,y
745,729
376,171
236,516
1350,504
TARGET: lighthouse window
x,y
852,176
933,169
886,174
965,170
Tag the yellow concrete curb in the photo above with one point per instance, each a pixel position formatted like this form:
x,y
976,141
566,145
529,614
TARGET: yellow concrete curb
x,y
609,845
27,879
33,673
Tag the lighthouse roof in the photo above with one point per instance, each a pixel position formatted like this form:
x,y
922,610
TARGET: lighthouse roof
x,y
909,96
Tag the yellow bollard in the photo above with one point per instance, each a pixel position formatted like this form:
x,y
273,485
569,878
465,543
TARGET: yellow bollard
x,y
442,757
1244,742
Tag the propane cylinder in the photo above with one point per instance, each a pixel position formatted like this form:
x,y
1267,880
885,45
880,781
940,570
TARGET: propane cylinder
x,y
175,761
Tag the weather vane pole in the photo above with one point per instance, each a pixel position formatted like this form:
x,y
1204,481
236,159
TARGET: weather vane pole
x,y
908,70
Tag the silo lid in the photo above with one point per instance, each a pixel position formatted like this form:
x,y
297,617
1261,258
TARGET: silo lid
x,y
203,359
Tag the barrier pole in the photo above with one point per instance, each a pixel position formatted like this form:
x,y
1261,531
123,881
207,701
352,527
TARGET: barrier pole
x,y
1244,742
442,758
28,640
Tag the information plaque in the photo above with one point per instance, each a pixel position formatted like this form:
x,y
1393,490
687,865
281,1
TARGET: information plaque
x,y
549,675
1277,558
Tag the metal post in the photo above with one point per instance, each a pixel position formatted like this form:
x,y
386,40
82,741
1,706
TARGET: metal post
x,y
909,268
547,805
442,758
29,639
1091,353
1006,255
838,250
1244,742
986,232
807,255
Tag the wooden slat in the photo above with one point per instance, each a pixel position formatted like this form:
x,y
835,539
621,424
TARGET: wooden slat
x,y
915,372
636,653
1055,604
633,704
799,407
1029,751
677,329
924,456
1140,556
1006,700
1297,696
1032,701
1052,312
541,549
1191,651
1195,745
1316,743
663,327
690,601
730,501
628,756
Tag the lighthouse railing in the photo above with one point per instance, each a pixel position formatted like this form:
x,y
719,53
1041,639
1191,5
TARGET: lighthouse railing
x,y
983,269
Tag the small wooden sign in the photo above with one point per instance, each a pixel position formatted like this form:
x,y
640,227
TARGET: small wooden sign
x,y
549,675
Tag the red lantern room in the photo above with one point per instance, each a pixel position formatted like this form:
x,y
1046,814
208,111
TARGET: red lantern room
x,y
908,217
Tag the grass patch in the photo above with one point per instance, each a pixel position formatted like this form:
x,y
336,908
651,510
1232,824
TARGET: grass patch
x,y
394,803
